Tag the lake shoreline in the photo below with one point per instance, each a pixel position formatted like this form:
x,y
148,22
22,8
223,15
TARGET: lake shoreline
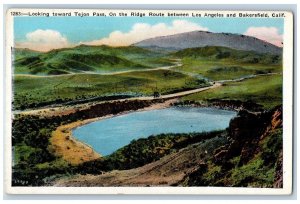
x,y
65,145
81,152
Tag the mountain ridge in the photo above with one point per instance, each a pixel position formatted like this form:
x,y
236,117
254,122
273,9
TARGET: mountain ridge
x,y
204,38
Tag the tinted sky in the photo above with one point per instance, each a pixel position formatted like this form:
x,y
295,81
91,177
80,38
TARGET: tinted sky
x,y
78,29
45,33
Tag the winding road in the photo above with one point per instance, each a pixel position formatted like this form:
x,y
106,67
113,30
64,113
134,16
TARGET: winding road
x,y
57,108
177,63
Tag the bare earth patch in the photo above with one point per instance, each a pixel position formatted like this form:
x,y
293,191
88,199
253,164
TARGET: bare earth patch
x,y
71,150
169,170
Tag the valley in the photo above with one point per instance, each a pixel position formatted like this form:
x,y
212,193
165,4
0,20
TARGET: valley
x,y
57,91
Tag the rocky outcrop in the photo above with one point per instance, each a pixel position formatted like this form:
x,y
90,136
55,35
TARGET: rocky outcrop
x,y
246,131
276,121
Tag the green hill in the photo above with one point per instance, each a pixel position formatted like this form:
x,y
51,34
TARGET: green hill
x,y
85,58
20,53
38,91
221,63
263,90
224,53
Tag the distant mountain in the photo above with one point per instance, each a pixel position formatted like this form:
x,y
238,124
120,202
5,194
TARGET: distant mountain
x,y
86,58
204,38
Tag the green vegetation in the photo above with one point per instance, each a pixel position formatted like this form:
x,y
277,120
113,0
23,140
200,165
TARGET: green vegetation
x,y
253,174
215,63
25,153
31,154
31,92
258,172
20,53
264,90
224,53
87,59
145,150
220,63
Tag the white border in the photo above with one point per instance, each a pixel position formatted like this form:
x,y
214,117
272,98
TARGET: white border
x,y
288,102
287,129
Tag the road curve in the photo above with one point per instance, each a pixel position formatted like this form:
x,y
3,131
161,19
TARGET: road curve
x,y
214,85
177,63
167,96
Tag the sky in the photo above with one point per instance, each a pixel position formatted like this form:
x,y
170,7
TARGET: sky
x,y
44,34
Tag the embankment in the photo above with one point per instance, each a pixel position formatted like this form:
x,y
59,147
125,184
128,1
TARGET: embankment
x,y
224,104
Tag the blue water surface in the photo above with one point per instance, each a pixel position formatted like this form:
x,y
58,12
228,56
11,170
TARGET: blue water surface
x,y
108,135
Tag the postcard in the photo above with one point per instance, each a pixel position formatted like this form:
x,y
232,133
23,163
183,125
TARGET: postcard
x,y
148,102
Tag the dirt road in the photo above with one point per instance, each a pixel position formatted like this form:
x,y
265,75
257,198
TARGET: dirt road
x,y
69,108
177,63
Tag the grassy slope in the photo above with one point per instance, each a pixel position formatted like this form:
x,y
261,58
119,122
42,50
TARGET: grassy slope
x,y
87,58
168,170
258,172
20,53
30,90
217,63
264,90
175,153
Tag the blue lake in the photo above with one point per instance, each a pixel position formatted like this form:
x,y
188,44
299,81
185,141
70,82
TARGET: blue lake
x,y
108,135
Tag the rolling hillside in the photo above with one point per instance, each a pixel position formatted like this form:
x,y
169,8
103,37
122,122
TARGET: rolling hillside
x,y
223,63
86,59
20,53
34,92
225,53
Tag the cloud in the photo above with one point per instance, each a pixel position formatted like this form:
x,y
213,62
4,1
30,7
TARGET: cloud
x,y
142,31
269,34
44,40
